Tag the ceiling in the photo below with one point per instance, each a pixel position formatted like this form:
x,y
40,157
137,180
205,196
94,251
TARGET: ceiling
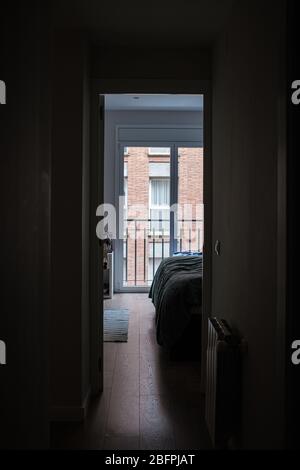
x,y
154,102
134,23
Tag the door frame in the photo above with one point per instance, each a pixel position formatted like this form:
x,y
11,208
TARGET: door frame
x,y
119,170
96,248
141,86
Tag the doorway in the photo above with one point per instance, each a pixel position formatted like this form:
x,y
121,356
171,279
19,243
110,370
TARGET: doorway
x,y
168,238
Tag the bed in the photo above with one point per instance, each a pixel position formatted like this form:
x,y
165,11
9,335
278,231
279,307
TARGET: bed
x,y
176,293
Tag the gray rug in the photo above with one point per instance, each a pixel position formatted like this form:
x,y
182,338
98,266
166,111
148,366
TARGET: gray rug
x,y
115,325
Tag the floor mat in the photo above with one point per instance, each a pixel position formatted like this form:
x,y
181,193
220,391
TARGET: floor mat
x,y
115,325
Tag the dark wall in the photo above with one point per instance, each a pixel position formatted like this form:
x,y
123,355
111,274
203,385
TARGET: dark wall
x,y
25,224
151,63
69,353
293,326
86,222
246,89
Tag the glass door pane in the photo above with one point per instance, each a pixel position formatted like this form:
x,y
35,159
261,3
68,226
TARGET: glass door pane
x,y
146,213
189,226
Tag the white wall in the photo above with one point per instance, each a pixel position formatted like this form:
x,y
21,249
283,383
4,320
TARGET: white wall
x,y
246,89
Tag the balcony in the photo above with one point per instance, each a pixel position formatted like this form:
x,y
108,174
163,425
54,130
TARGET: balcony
x,y
148,241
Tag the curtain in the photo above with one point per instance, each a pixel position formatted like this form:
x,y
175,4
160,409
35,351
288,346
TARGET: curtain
x,y
160,191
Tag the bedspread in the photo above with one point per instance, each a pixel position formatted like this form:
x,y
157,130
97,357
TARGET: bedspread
x,y
176,287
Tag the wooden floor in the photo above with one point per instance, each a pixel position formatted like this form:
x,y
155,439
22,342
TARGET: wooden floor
x,y
149,402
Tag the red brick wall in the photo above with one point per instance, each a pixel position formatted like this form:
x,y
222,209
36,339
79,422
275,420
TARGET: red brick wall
x,y
190,191
138,194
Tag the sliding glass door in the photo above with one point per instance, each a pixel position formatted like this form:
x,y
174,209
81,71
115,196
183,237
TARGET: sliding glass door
x,y
146,223
161,190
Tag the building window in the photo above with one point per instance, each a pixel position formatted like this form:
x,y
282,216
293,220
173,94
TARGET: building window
x,y
159,150
159,205
126,191
160,191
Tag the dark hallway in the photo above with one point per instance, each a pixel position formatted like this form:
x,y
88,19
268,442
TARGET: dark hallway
x,y
145,403
61,385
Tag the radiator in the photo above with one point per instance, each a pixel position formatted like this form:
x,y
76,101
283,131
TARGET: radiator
x,y
223,384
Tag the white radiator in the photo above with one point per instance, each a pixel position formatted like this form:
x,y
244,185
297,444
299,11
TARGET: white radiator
x,y
223,379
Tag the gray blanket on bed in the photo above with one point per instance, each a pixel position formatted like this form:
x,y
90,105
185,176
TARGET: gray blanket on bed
x,y
176,287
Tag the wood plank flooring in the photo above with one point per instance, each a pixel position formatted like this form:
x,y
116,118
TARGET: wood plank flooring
x,y
149,402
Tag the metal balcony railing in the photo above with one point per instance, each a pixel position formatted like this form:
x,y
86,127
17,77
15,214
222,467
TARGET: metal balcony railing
x,y
147,243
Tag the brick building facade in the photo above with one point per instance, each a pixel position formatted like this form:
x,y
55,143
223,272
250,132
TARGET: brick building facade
x,y
147,208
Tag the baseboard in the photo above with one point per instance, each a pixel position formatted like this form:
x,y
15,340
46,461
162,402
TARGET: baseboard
x,y
70,413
